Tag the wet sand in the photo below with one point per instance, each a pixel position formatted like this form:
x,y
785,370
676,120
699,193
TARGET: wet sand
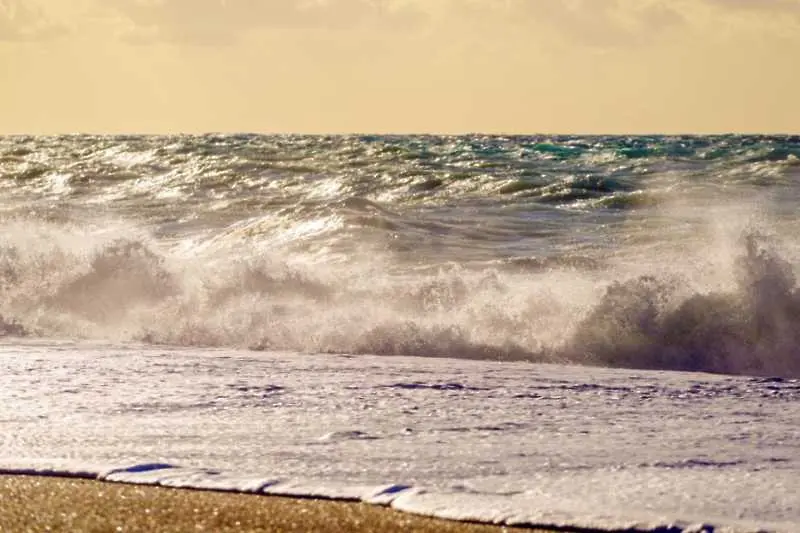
x,y
34,504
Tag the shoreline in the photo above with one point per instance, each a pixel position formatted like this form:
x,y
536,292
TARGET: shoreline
x,y
33,502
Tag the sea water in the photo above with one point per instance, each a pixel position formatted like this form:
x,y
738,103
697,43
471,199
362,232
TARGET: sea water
x,y
228,301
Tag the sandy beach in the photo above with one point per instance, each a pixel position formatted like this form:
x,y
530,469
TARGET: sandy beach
x,y
34,504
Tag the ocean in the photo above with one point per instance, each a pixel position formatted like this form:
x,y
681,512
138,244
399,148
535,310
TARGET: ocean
x,y
585,331
638,252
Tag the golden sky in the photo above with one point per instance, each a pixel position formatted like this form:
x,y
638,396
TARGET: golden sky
x,y
512,66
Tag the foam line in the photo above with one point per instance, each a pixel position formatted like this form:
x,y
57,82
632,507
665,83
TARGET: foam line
x,y
504,510
495,509
189,478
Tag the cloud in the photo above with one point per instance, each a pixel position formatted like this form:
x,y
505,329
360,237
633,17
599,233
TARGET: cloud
x,y
606,24
591,22
594,24
758,5
25,22
763,19
599,23
225,21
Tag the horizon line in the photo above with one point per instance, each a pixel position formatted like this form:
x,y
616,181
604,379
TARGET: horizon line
x,y
199,133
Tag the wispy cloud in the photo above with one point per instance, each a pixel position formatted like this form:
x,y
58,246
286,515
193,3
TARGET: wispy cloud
x,y
758,5
23,21
599,24
224,21
602,22
626,23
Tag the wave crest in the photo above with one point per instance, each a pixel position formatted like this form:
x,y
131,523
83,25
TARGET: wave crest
x,y
754,329
125,287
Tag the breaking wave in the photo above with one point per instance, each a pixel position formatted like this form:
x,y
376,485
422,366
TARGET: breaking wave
x,y
130,289
753,329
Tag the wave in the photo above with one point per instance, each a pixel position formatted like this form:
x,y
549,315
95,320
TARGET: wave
x,y
754,329
147,174
58,280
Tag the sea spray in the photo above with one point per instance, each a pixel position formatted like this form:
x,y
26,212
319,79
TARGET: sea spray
x,y
125,290
752,329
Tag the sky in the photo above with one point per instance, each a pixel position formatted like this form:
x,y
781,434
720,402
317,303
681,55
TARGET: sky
x,y
399,66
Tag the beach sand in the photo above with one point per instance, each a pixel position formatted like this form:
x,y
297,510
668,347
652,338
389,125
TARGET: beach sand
x,y
37,504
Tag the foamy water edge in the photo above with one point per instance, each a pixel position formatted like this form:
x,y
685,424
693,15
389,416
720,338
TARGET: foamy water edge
x,y
466,506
